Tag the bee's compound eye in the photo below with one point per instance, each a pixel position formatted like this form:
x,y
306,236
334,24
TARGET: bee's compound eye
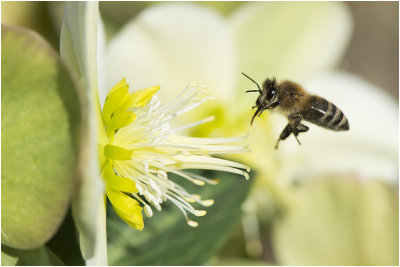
x,y
271,93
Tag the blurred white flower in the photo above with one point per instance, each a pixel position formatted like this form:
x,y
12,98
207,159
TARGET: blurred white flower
x,y
172,41
339,220
298,41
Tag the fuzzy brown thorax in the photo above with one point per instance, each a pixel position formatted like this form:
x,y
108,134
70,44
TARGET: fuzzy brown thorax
x,y
292,97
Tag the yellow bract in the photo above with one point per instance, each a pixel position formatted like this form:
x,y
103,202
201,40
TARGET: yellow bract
x,y
117,153
116,182
127,208
120,118
116,113
118,98
142,97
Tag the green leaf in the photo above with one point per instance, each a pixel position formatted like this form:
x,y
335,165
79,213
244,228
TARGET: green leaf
x,y
39,256
168,240
340,221
40,130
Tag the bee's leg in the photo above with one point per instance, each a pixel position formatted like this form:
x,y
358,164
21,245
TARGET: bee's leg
x,y
297,126
295,133
295,120
285,133
301,128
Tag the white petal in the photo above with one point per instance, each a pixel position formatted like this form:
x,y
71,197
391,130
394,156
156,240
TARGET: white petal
x,y
101,61
369,149
78,41
100,254
78,50
290,40
171,45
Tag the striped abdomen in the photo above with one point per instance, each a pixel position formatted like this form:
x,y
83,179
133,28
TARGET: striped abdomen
x,y
325,114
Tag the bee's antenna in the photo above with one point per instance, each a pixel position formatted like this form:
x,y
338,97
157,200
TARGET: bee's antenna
x,y
259,89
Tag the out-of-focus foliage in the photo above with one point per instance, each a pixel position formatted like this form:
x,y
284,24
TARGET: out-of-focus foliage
x,y
65,245
40,257
34,16
39,139
168,240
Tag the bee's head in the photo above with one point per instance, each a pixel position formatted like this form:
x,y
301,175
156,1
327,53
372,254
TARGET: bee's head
x,y
269,96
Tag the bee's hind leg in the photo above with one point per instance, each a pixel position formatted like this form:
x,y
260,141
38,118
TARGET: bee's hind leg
x,y
301,128
295,120
297,126
285,133
294,126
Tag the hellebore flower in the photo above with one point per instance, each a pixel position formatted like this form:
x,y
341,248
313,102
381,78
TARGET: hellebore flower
x,y
134,140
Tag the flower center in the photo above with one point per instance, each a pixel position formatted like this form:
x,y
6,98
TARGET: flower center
x,y
118,113
143,148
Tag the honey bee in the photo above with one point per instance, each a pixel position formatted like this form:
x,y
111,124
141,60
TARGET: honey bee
x,y
291,100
